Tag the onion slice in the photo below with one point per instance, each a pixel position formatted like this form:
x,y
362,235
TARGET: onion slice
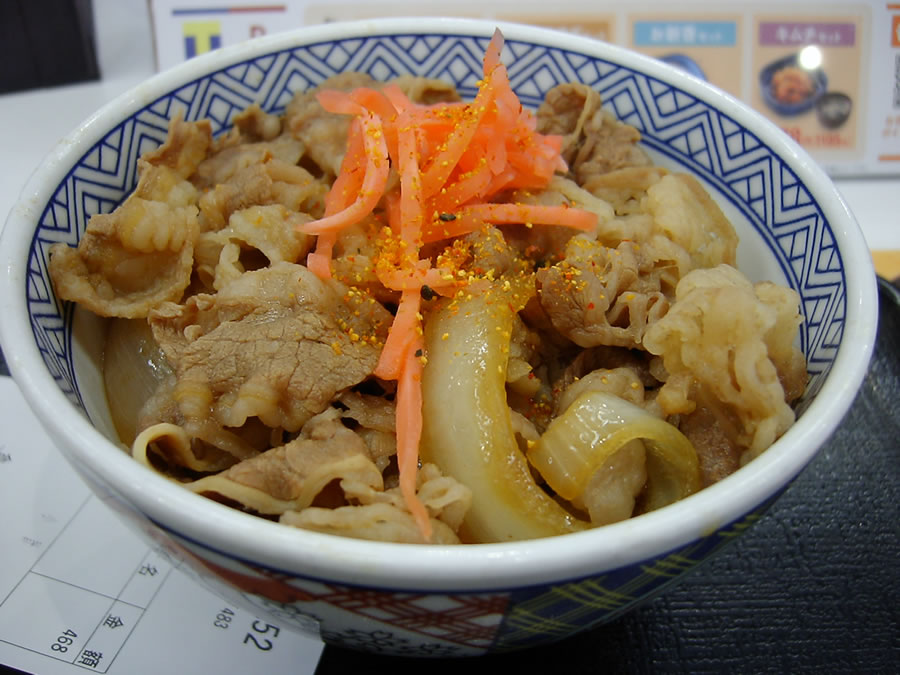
x,y
591,430
133,367
468,429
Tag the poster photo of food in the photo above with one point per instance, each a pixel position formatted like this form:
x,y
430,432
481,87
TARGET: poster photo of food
x,y
570,16
809,79
706,45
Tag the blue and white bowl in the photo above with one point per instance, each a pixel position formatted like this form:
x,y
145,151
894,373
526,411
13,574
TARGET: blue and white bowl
x,y
421,600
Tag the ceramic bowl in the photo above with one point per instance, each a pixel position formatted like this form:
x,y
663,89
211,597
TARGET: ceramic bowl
x,y
421,600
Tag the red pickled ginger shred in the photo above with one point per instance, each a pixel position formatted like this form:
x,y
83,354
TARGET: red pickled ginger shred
x,y
451,158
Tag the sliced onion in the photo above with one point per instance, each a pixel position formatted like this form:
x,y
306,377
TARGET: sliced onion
x,y
468,431
133,367
591,430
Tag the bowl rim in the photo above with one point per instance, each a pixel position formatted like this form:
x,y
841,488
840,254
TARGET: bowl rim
x,y
479,567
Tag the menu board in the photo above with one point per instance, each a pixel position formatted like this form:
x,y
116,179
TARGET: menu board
x,y
708,47
827,73
808,80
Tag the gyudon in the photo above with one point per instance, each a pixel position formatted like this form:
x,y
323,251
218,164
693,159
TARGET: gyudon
x,y
395,315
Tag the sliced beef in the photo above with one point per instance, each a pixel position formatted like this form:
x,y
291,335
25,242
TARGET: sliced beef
x,y
324,134
594,141
276,343
136,257
594,296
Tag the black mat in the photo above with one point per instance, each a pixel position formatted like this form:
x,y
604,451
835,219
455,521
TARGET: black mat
x,y
814,586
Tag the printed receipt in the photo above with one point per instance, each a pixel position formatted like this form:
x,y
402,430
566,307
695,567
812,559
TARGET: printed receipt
x,y
79,592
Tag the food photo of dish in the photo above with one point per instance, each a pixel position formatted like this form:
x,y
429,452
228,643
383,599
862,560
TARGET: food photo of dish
x,y
791,88
791,85
833,109
685,62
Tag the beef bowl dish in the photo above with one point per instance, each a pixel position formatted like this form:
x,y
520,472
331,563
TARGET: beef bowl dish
x,y
463,337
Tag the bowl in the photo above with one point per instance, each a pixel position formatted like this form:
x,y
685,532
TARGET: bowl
x,y
818,82
684,62
441,600
833,109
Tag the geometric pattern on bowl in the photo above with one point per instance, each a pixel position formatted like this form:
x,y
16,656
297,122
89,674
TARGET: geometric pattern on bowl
x,y
688,131
548,614
456,623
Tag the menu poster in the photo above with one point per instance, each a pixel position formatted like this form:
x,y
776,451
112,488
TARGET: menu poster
x,y
581,21
828,74
888,124
709,48
185,29
807,79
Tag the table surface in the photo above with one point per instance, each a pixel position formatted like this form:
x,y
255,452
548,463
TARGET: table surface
x,y
812,586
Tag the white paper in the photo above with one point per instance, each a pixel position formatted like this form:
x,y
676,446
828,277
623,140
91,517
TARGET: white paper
x,y
79,592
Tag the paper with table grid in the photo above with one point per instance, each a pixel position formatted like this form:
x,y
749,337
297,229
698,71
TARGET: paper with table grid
x,y
79,592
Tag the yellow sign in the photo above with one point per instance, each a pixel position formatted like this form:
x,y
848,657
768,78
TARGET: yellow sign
x,y
201,37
